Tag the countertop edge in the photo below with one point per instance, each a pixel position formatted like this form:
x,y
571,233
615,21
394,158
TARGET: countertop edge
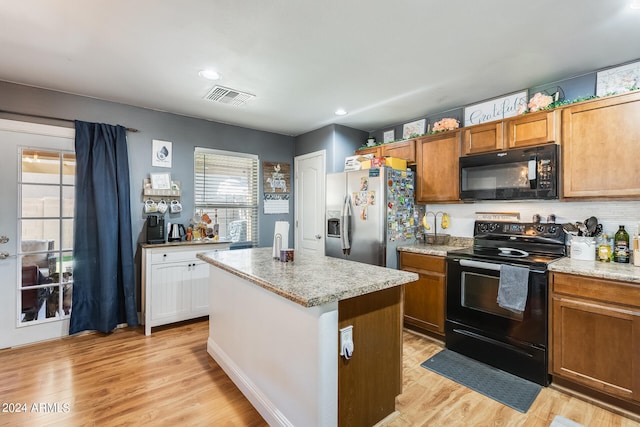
x,y
597,269
185,243
330,297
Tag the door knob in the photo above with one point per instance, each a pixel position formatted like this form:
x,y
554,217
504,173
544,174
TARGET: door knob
x,y
318,236
4,239
4,255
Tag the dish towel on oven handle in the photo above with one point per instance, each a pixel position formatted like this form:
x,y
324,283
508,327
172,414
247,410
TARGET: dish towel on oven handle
x,y
345,226
513,287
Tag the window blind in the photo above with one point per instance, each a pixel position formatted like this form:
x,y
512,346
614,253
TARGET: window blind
x,y
226,186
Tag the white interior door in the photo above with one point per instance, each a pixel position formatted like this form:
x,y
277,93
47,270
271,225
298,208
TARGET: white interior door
x,y
310,175
14,136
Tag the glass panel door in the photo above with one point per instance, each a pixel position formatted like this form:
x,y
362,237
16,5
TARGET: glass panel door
x,y
46,224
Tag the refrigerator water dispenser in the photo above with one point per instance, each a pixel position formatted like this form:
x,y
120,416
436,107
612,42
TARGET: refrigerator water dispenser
x,y
333,227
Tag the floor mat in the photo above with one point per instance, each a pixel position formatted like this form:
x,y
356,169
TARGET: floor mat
x,y
508,389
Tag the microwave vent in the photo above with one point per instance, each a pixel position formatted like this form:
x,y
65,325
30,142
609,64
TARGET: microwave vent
x,y
225,95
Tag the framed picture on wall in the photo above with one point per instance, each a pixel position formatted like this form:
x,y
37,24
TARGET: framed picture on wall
x,y
413,128
161,181
161,153
388,136
618,79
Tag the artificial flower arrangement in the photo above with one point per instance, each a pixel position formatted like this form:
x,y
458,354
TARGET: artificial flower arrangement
x,y
445,124
536,103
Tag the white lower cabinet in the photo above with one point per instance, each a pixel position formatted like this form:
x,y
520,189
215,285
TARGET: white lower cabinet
x,y
175,283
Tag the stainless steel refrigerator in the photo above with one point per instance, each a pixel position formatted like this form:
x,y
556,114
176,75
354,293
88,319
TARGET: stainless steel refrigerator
x,y
369,213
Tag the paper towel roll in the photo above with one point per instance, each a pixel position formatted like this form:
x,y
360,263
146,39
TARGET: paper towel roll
x,y
280,237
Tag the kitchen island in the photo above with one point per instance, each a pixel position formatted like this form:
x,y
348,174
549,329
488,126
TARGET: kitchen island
x,y
274,329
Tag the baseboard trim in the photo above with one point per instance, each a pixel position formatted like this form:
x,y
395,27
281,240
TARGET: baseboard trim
x,y
272,415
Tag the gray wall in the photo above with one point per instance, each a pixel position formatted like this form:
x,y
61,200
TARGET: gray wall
x,y
338,141
185,133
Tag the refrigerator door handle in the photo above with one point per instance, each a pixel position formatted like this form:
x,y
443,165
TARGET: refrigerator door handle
x,y
345,226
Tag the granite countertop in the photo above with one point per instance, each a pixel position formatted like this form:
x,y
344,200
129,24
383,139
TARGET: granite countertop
x,y
185,243
438,250
602,270
310,280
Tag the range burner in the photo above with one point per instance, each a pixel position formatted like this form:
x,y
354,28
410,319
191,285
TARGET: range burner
x,y
515,243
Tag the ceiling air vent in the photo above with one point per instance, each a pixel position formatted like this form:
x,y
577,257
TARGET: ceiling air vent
x,y
225,95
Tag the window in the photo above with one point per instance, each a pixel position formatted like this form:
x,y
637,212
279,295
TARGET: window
x,y
226,188
46,187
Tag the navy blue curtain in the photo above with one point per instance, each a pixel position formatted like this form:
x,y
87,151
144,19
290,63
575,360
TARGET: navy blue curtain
x,y
103,273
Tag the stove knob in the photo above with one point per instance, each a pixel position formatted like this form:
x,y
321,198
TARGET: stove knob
x,y
492,226
553,229
482,227
540,228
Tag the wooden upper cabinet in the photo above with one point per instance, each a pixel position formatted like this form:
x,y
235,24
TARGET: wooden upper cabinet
x,y
437,160
376,151
403,149
599,145
533,129
483,138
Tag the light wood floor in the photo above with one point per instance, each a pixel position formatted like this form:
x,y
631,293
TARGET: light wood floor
x,y
168,378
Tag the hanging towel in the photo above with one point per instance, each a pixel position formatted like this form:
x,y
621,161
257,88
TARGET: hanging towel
x,y
345,226
513,287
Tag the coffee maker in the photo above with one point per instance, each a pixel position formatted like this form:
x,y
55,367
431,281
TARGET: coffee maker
x,y
155,229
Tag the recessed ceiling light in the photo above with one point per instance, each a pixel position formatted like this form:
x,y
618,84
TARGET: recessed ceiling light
x,y
341,112
209,74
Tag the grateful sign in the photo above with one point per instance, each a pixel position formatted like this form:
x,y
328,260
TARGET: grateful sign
x,y
495,109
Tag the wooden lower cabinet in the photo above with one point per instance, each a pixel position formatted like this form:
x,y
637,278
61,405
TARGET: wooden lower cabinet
x,y
370,382
595,335
424,300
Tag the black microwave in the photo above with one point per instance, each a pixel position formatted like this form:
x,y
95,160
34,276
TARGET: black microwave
x,y
517,174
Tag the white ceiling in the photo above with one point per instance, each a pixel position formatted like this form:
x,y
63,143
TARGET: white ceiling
x,y
383,61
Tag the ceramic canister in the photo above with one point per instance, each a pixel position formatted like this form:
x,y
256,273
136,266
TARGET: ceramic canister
x,y
286,255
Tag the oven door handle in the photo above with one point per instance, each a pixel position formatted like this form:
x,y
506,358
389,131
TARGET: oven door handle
x,y
488,265
480,264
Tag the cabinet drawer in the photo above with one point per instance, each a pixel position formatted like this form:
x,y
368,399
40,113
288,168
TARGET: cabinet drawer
x,y
597,289
160,257
183,253
426,263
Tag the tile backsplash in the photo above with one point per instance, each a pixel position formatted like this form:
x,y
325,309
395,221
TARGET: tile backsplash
x,y
610,214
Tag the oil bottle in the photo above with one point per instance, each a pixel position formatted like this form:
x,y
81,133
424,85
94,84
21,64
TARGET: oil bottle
x,y
621,246
604,249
